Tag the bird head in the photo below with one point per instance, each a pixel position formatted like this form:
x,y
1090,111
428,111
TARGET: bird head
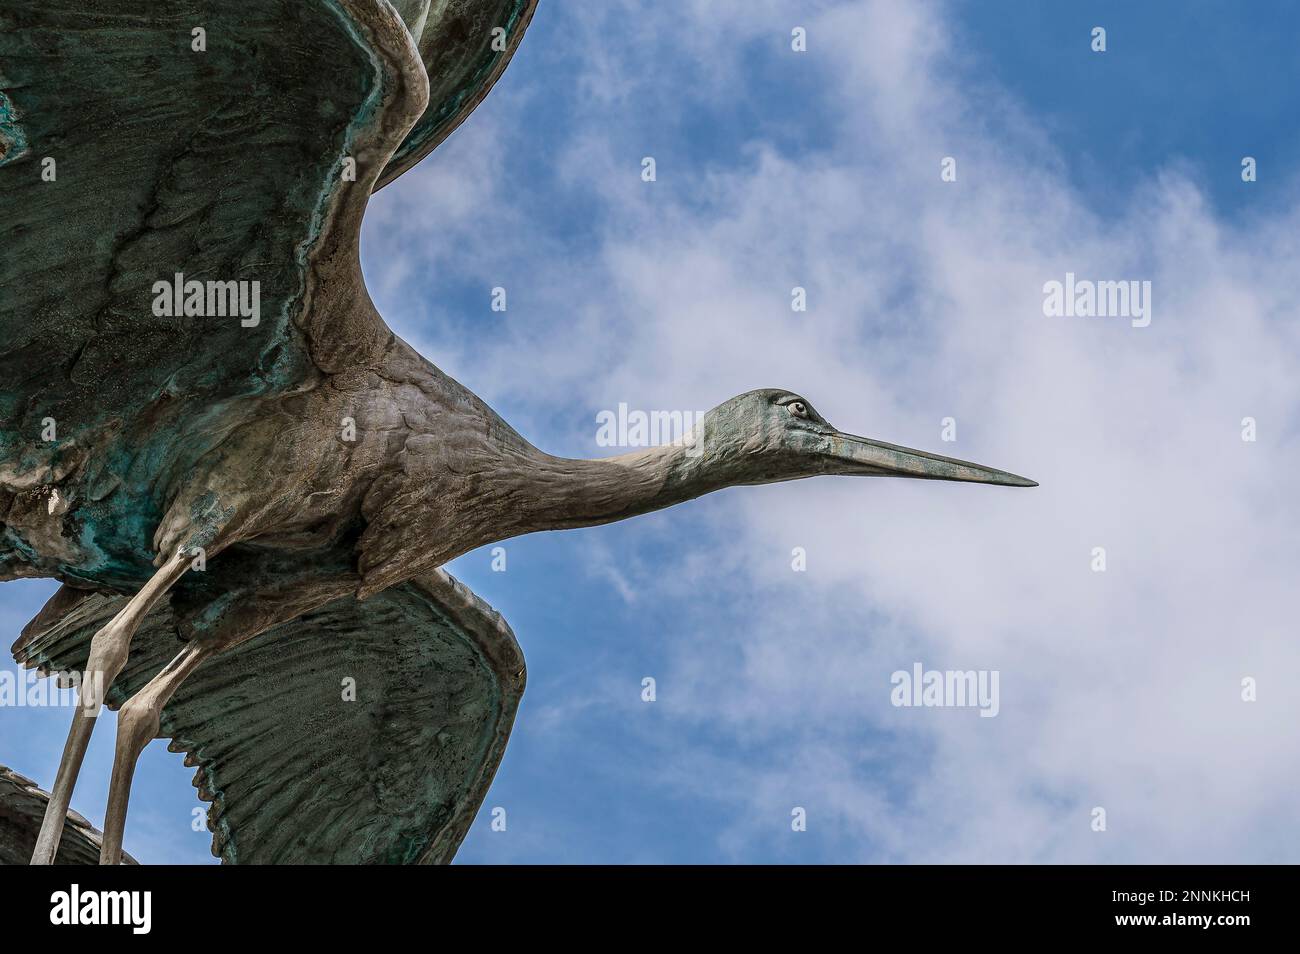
x,y
773,435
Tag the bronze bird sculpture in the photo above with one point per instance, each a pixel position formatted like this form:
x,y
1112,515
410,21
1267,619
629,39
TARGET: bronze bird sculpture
x,y
208,432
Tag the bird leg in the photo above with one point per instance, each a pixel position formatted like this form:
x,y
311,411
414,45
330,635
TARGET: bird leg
x,y
137,724
108,654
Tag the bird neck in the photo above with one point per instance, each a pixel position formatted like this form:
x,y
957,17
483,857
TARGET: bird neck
x,y
564,493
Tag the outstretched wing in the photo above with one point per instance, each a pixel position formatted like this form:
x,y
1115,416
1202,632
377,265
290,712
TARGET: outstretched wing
x,y
22,807
359,733
208,139
466,46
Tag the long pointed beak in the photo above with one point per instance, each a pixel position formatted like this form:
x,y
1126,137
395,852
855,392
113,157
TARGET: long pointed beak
x,y
868,458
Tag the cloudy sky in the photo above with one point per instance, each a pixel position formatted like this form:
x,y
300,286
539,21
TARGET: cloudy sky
x,y
1120,690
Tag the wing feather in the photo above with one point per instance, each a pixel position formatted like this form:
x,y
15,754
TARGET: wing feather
x,y
127,157
297,773
466,46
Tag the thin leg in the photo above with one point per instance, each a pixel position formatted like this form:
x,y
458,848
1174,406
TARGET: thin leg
x,y
108,652
137,723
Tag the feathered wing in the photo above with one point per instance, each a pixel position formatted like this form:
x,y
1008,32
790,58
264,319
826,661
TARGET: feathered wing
x,y
466,46
230,142
362,732
22,806
239,142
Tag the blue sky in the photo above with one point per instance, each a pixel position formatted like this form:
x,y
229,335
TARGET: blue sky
x,y
821,169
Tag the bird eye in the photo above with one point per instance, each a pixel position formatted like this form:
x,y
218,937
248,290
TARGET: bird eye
x,y
798,408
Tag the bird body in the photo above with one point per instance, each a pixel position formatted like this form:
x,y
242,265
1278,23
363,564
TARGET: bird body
x,y
282,467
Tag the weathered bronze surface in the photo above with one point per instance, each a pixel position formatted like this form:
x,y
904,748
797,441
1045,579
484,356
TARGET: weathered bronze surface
x,y
22,804
298,474
296,775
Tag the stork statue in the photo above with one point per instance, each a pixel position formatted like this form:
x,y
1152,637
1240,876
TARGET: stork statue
x,y
246,483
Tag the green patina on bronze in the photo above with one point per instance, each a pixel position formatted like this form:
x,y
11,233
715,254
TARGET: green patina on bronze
x,y
218,163
13,140
302,776
137,132
136,168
